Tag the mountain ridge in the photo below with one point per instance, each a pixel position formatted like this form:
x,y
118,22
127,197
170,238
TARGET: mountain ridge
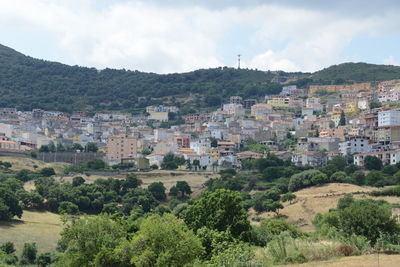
x,y
27,83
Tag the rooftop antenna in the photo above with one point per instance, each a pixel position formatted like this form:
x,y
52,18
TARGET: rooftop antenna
x,y
239,60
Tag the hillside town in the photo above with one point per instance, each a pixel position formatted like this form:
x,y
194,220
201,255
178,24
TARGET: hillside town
x,y
307,126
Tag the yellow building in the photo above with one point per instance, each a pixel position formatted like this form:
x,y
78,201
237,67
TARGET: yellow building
x,y
279,101
335,117
338,88
159,116
351,107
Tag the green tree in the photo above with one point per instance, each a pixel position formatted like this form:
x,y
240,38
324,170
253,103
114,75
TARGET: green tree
x,y
96,164
319,179
302,179
374,178
374,104
47,172
44,259
372,163
369,219
339,176
51,147
169,162
196,164
8,247
9,204
358,177
342,120
289,196
90,239
44,149
267,201
184,188
66,207
214,142
163,241
157,189
29,252
77,147
219,210
270,228
91,147
77,181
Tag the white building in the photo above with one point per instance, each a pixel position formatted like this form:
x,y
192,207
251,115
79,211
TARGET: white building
x,y
392,96
355,144
234,109
201,146
162,134
389,118
363,104
388,157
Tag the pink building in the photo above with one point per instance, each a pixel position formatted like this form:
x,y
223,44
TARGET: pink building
x,y
121,147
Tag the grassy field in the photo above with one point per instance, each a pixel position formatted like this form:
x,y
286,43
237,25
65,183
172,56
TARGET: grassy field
x,y
29,163
41,227
373,260
320,199
169,178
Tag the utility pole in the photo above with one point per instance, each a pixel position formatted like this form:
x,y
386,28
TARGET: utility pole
x,y
239,55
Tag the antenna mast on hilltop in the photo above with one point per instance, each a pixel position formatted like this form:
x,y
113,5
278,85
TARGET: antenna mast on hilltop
x,y
239,60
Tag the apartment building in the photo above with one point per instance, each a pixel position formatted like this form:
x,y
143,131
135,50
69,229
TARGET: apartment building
x,y
121,147
387,157
389,118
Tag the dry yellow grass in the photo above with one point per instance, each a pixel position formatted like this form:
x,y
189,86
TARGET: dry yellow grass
x,y
28,163
168,178
41,227
319,199
373,260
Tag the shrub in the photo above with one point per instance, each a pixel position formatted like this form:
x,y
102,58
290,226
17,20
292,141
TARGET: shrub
x,y
358,177
29,253
47,172
339,177
77,181
373,177
8,259
67,207
44,260
239,254
372,163
8,247
393,191
303,179
345,250
285,249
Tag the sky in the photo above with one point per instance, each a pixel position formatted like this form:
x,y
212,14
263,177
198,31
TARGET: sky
x,y
168,36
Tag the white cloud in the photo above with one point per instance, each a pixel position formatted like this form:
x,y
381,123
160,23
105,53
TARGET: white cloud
x,y
148,36
391,61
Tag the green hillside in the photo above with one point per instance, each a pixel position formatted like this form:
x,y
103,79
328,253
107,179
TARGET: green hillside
x,y
29,83
356,72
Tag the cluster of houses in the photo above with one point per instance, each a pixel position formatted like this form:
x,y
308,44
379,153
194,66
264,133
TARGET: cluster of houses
x,y
321,122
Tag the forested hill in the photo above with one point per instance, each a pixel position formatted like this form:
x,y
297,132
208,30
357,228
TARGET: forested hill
x,y
28,83
356,72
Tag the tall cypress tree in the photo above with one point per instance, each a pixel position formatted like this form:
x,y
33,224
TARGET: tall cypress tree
x,y
342,120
